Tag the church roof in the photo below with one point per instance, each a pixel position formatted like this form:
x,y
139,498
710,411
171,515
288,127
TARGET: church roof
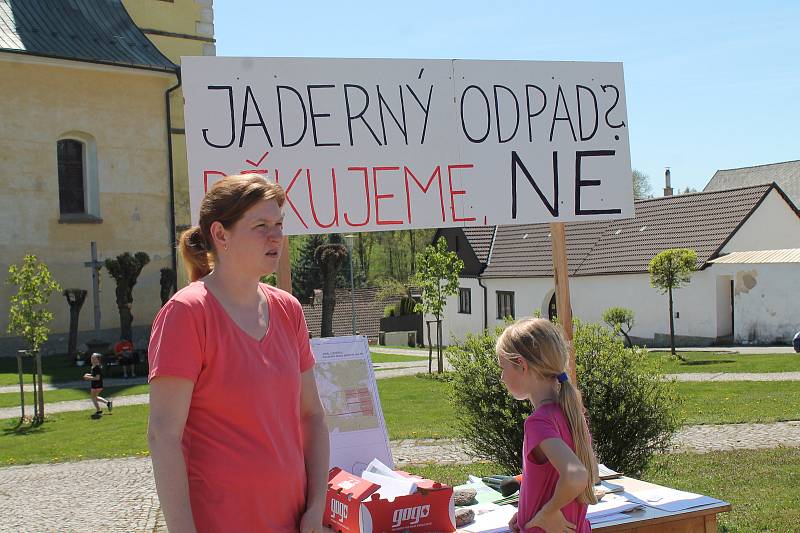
x,y
95,31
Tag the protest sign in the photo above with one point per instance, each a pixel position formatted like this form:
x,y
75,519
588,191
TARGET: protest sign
x,y
387,144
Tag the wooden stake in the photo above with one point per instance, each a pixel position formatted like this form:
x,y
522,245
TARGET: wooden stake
x,y
561,278
284,267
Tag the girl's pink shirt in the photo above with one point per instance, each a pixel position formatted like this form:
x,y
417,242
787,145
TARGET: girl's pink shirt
x,y
242,442
539,480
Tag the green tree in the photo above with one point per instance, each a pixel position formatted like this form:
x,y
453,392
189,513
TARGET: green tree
x,y
641,185
437,276
306,274
670,270
620,319
29,317
125,270
329,257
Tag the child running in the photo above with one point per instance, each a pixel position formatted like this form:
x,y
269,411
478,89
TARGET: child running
x,y
96,386
559,468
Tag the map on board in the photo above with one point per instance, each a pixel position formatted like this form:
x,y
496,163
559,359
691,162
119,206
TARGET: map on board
x,y
349,394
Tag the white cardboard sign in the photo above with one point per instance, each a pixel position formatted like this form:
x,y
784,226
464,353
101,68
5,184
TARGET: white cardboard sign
x,y
386,144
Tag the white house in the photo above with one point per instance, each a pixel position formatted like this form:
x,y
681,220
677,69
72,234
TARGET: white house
x,y
732,297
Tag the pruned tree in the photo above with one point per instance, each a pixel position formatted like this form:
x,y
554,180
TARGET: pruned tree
x,y
329,257
437,275
670,270
620,320
125,270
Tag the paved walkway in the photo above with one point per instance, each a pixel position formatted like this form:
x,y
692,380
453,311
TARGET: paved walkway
x,y
118,495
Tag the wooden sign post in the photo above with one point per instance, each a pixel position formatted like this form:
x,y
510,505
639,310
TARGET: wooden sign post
x,y
561,278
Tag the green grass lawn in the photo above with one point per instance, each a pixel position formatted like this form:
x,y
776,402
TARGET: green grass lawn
x,y
11,399
74,436
760,485
416,408
378,357
55,368
708,362
727,402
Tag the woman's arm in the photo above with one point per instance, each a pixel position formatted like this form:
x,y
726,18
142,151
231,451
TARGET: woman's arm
x,y
169,406
316,448
572,480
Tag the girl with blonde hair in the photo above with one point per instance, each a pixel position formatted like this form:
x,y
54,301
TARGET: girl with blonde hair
x,y
559,468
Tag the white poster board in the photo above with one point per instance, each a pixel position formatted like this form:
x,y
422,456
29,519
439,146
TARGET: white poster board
x,y
349,394
387,144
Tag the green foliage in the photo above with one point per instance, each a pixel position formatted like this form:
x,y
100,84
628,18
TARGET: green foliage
x,y
437,275
28,316
632,411
619,319
125,270
306,275
672,269
390,310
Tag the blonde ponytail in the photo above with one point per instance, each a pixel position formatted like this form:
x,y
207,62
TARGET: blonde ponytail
x,y
195,251
542,344
569,398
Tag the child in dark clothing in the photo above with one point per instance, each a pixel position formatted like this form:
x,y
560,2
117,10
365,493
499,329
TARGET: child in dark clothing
x,y
96,377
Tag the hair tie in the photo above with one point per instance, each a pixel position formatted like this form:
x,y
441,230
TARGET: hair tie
x,y
562,377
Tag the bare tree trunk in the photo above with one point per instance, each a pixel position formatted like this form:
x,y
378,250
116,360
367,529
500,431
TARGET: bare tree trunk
x,y
440,359
328,302
21,387
672,326
125,321
430,348
38,357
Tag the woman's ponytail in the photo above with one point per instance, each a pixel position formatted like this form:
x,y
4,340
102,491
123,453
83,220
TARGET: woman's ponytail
x,y
195,252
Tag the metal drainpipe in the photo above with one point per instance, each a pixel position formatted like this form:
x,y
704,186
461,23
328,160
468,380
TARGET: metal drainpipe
x,y
172,244
485,305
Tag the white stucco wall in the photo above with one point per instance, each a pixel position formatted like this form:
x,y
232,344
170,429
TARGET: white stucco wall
x,y
766,301
773,226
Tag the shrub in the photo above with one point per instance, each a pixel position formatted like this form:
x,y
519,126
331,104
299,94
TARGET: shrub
x,y
632,411
389,310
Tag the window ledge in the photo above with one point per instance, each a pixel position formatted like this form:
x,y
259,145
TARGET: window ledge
x,y
78,218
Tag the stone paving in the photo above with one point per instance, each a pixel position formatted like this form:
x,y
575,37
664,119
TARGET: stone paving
x,y
118,495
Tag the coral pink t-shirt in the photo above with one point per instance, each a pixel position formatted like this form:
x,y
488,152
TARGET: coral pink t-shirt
x,y
539,480
242,441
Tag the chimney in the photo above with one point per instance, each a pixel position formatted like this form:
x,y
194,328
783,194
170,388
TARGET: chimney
x,y
668,186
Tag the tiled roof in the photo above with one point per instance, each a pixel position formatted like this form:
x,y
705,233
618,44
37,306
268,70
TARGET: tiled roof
x,y
98,31
480,239
786,175
700,221
369,311
787,255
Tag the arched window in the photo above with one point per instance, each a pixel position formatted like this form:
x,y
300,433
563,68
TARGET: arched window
x,y
71,177
552,310
78,186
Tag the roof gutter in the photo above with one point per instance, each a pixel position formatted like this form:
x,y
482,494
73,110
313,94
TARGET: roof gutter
x,y
485,305
171,183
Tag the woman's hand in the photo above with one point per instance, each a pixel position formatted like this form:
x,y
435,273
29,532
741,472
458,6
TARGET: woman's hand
x,y
512,524
312,521
551,522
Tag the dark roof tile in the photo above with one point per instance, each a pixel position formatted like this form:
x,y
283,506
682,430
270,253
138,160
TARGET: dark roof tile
x,y
99,31
701,221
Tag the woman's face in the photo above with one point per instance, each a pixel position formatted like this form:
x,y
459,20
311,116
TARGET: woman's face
x,y
254,242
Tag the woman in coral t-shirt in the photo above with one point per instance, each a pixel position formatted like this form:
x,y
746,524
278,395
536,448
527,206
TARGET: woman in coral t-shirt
x,y
237,431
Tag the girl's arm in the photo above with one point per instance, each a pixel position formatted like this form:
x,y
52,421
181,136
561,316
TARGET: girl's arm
x,y
316,448
572,480
169,406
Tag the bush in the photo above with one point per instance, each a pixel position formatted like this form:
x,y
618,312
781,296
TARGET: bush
x,y
389,310
632,411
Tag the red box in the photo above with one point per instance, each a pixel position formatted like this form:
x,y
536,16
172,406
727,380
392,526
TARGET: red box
x,y
429,509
